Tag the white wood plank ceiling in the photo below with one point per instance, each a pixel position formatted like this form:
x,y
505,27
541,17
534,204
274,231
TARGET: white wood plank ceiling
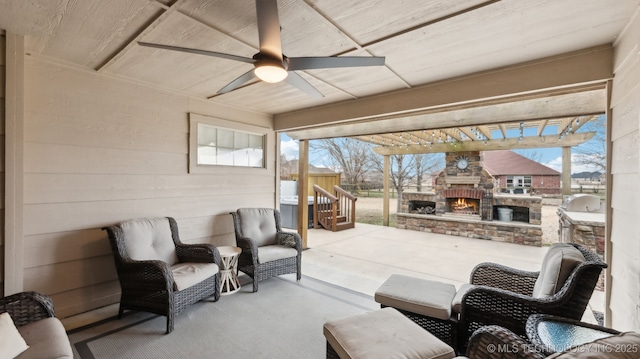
x,y
423,40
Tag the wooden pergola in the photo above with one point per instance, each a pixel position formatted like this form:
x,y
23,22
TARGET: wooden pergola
x,y
502,136
557,132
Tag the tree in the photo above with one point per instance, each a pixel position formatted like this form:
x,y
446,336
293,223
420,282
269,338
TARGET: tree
x,y
285,168
593,152
404,168
426,163
351,157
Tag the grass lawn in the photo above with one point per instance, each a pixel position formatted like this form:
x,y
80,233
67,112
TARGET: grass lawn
x,y
371,216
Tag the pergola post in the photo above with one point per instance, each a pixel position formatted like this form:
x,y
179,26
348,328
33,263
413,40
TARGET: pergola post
x,y
566,171
303,190
385,202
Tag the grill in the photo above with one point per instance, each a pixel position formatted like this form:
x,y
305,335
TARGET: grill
x,y
582,203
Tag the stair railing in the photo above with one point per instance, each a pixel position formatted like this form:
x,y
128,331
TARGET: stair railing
x,y
335,211
325,209
346,206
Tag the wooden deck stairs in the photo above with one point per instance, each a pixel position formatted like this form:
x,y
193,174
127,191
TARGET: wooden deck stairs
x,y
333,211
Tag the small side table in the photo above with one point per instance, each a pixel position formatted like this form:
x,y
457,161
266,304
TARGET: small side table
x,y
554,334
229,282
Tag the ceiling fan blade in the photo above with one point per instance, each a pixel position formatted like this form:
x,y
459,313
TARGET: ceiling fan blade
x,y
199,52
269,28
309,63
297,81
243,79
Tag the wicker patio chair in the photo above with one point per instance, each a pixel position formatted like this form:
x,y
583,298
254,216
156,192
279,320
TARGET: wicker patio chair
x,y
157,272
27,307
267,251
504,296
495,342
34,317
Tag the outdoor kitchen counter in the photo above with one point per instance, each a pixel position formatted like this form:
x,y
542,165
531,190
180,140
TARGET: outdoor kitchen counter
x,y
585,218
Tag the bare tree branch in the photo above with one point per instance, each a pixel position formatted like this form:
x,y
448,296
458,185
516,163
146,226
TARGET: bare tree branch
x,y
350,157
593,153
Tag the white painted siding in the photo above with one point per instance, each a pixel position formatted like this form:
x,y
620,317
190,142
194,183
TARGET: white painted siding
x,y
625,169
99,150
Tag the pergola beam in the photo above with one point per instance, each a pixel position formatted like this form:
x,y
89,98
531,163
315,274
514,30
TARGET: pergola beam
x,y
576,69
501,144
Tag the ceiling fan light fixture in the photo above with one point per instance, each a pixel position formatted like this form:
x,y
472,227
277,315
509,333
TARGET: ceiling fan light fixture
x,y
271,73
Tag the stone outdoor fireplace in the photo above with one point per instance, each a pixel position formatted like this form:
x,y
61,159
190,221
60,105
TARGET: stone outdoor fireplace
x,y
463,202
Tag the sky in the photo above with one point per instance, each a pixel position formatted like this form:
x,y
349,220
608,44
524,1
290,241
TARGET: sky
x,y
550,157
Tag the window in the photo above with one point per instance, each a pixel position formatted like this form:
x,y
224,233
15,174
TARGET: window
x,y
518,181
213,144
225,147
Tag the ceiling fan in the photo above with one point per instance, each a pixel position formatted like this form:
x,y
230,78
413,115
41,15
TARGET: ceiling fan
x,y
270,64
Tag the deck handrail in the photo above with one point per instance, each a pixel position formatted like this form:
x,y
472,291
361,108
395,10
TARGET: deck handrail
x,y
347,204
329,209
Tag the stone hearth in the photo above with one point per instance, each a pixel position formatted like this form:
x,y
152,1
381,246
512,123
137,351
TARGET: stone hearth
x,y
464,203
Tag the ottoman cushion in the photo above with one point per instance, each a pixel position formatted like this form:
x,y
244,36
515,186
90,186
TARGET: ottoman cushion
x,y
416,295
384,333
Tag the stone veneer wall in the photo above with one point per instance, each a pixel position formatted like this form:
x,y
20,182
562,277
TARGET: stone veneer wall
x,y
512,232
589,234
533,203
458,177
591,237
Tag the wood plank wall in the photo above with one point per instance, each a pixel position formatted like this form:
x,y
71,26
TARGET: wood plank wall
x,y
99,150
625,172
2,134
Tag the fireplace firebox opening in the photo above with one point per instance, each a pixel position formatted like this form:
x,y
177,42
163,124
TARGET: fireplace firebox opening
x,y
422,207
463,205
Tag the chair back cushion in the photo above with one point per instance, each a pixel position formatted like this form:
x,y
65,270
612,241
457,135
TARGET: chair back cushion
x,y
258,224
558,264
149,239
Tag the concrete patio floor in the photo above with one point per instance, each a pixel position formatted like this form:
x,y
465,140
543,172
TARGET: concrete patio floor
x,y
362,258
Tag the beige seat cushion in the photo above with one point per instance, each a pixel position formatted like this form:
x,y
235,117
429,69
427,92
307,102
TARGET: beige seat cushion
x,y
384,333
622,346
186,275
456,303
149,239
11,342
258,224
558,264
275,252
416,295
46,338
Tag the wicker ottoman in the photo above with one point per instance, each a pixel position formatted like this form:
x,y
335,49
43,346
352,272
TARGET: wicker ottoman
x,y
428,303
384,333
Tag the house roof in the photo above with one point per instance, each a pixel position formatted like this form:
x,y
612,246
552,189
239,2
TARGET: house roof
x,y
510,163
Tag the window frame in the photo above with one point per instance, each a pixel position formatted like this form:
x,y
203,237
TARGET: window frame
x,y
522,179
195,166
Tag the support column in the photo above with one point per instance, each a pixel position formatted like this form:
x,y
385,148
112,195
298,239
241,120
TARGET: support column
x,y
14,165
385,201
608,246
303,190
566,171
